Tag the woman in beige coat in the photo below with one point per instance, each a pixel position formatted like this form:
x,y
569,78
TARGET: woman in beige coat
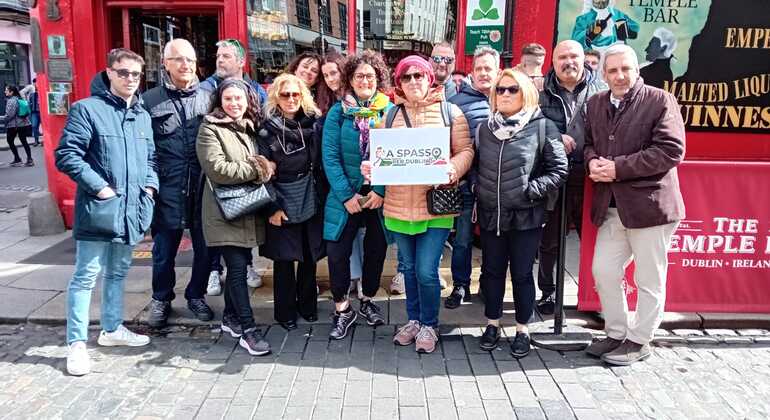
x,y
228,155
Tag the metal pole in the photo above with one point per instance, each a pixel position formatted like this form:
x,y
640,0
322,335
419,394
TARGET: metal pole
x,y
507,54
321,6
558,314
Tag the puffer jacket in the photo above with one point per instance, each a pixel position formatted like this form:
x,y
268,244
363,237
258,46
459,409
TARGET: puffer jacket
x,y
555,109
106,143
223,148
176,116
473,104
515,179
408,202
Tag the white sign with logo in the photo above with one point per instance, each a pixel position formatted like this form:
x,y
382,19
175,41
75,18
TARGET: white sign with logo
x,y
484,25
410,156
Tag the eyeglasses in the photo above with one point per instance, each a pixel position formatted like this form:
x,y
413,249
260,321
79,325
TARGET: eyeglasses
x,y
513,89
182,60
406,78
292,95
370,77
125,74
439,58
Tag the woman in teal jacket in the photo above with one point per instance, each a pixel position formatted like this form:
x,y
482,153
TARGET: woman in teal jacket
x,y
352,203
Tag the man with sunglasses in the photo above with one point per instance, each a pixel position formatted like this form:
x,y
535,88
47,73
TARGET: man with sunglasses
x,y
107,149
442,59
177,107
473,100
566,90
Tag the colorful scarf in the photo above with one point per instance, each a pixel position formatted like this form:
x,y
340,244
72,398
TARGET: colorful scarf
x,y
505,128
365,117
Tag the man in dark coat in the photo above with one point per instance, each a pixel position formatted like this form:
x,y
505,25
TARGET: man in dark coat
x,y
473,101
634,141
567,87
177,106
107,150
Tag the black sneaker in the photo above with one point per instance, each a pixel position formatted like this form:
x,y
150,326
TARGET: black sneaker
x,y
371,313
546,304
489,339
254,343
341,324
159,311
459,295
231,324
200,309
30,162
17,163
520,345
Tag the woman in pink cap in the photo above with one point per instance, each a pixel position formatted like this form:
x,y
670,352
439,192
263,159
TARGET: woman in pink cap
x,y
420,236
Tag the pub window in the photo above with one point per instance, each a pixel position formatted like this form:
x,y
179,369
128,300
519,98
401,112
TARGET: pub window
x,y
303,13
342,10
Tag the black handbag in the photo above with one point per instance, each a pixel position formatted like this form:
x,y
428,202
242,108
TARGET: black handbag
x,y
444,201
235,201
298,198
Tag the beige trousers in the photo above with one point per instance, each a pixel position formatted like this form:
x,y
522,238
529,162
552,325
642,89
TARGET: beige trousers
x,y
616,246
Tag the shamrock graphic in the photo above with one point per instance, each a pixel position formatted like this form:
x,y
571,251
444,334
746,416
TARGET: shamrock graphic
x,y
485,11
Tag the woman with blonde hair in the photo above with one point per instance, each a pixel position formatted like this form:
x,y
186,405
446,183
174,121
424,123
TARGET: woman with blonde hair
x,y
520,160
289,139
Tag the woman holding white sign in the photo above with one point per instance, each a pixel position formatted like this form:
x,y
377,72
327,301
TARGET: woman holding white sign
x,y
353,203
419,232
521,161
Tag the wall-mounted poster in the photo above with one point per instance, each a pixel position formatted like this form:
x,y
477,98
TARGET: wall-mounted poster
x,y
58,103
62,87
57,48
711,54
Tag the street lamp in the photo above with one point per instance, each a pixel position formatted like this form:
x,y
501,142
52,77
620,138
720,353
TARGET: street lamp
x,y
321,6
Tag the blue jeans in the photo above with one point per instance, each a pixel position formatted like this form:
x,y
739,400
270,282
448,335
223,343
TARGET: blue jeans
x,y
34,118
419,256
462,248
90,258
357,256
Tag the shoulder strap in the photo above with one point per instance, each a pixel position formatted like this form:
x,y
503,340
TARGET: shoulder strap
x,y
541,137
391,116
446,113
476,137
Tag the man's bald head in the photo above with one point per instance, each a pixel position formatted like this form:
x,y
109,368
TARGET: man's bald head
x,y
568,62
179,59
179,46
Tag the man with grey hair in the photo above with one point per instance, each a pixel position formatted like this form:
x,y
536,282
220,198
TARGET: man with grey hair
x,y
442,59
634,140
231,58
473,100
177,106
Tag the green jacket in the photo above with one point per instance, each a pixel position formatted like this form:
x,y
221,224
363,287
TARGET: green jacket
x,y
223,148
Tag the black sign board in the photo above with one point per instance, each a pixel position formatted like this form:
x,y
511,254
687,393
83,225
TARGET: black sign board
x,y
60,70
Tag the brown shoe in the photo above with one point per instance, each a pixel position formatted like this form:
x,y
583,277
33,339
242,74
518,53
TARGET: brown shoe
x,y
628,353
426,340
406,334
599,347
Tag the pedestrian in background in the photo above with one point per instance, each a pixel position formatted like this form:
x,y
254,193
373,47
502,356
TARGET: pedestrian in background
x,y
17,124
521,161
107,149
228,154
295,225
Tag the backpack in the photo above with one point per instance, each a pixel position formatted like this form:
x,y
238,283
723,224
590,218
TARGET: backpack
x,y
23,108
446,115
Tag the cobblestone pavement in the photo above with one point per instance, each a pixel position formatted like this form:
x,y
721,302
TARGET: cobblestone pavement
x,y
197,373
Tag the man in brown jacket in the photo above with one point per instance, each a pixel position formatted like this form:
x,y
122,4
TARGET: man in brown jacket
x,y
634,140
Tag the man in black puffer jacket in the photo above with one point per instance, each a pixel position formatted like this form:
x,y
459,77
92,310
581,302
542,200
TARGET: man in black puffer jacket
x,y
567,87
177,107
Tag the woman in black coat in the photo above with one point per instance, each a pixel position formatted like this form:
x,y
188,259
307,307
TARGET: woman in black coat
x,y
294,233
521,162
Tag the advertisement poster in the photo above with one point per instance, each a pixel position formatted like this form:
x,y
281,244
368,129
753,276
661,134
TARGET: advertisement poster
x,y
484,25
410,156
711,54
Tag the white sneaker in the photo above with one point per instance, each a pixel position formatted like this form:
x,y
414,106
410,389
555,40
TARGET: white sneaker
x,y
122,337
253,279
214,287
442,282
78,360
397,285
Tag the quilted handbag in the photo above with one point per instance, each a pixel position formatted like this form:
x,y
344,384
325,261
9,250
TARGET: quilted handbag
x,y
444,201
235,201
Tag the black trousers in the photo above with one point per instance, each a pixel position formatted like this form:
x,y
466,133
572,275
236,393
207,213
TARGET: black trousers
x,y
295,291
22,132
164,252
517,248
549,246
375,248
237,302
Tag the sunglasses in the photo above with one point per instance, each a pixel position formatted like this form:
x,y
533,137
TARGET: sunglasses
x,y
125,74
417,77
439,58
292,95
513,89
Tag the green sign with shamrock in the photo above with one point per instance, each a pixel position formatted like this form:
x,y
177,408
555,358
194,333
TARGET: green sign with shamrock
x,y
484,25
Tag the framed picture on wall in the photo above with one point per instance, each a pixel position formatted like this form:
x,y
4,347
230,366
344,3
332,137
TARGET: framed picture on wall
x,y
62,87
58,103
57,48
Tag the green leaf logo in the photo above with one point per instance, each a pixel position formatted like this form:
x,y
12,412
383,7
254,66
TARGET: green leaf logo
x,y
485,11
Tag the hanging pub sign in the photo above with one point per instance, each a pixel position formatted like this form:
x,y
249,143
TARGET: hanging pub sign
x,y
711,54
484,25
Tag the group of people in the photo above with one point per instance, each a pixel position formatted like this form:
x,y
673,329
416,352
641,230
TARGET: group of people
x,y
166,159
22,120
